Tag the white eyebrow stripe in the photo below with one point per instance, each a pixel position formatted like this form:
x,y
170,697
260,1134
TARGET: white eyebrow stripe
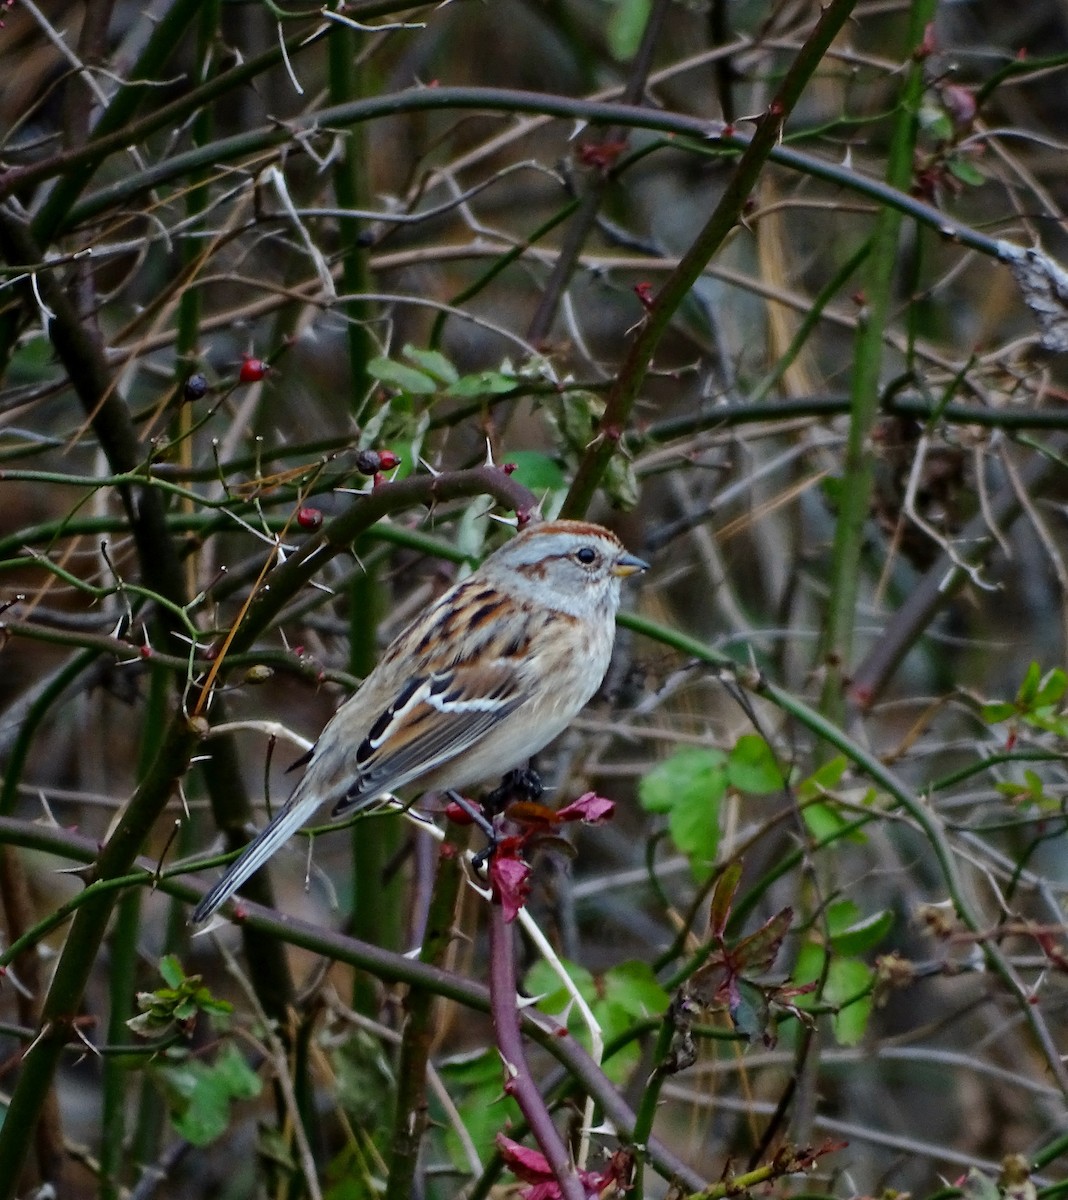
x,y
475,704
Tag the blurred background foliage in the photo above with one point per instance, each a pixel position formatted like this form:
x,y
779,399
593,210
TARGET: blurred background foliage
x,y
245,244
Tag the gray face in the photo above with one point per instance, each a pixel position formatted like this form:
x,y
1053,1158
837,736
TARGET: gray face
x,y
565,565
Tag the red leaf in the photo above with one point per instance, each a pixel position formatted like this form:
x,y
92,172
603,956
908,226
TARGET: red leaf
x,y
529,1165
589,807
530,812
644,292
960,103
723,898
509,878
757,952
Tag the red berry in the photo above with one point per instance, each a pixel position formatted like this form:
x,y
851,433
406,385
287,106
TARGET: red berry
x,y
508,468
309,518
387,460
457,814
252,369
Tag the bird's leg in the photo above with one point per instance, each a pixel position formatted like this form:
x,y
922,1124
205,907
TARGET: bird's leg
x,y
522,784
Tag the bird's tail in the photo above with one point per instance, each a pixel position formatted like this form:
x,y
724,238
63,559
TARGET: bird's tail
x,y
283,825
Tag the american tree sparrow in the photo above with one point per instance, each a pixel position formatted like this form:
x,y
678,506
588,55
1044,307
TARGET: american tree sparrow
x,y
488,675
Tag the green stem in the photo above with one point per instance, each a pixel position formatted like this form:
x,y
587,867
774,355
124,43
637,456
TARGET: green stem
x,y
385,965
635,367
917,808
650,1101
352,188
857,480
703,133
78,957
122,977
36,714
496,267
809,322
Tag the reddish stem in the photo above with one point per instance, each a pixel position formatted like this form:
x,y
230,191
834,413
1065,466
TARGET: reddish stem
x,y
518,1080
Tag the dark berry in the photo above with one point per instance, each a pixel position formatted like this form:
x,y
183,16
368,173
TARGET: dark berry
x,y
196,388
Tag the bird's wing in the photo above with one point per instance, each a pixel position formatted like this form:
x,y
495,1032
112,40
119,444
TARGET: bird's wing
x,y
434,719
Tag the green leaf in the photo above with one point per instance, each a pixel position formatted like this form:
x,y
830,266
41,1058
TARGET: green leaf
x,y
239,1079
538,471
998,710
485,383
978,1186
474,1084
694,828
171,970
966,171
633,987
826,823
433,362
752,767
824,779
33,361
346,1176
751,1015
201,1094
363,1081
627,993
807,969
206,1117
1025,696
686,771
544,982
689,786
614,1021
626,25
935,121
854,934
1052,687
846,978
408,379
621,482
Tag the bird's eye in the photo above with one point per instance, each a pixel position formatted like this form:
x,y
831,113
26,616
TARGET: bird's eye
x,y
586,555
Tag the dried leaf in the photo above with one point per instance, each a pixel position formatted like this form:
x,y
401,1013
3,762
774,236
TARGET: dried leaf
x,y
1044,286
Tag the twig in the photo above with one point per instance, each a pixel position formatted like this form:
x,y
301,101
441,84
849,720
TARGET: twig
x,y
518,1081
635,366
